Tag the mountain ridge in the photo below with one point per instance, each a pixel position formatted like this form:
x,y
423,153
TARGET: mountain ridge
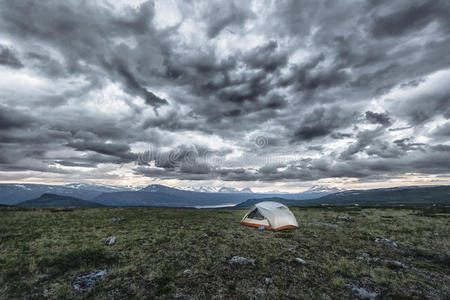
x,y
52,200
403,196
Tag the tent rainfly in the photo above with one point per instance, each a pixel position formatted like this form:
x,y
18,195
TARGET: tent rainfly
x,y
272,215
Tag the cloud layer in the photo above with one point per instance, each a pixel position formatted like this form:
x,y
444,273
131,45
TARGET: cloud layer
x,y
266,92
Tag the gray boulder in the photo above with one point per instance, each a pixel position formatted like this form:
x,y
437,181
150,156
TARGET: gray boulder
x,y
110,240
345,219
300,261
85,283
360,292
241,260
365,257
394,264
386,242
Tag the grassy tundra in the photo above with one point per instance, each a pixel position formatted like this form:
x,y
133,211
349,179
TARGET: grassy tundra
x,y
42,251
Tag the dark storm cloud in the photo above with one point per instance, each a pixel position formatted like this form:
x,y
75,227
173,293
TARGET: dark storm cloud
x,y
12,118
408,19
75,164
222,16
266,57
132,84
442,131
8,57
378,118
298,74
321,122
112,149
84,33
363,139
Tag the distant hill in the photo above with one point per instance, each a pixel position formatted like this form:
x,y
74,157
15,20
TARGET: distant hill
x,y
408,196
249,203
12,194
52,200
439,195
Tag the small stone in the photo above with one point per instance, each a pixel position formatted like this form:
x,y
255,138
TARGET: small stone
x,y
187,272
300,261
366,258
241,260
315,236
436,233
204,235
290,249
360,292
110,240
345,219
85,283
268,281
395,264
115,220
362,213
386,242
323,224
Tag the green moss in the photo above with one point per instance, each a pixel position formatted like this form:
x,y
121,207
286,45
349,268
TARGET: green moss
x,y
43,250
60,263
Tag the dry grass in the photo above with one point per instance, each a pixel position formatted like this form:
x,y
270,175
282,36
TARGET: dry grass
x,y
43,250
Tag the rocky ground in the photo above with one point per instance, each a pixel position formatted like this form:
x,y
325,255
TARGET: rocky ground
x,y
106,253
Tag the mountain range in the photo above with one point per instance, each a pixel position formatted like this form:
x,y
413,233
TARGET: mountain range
x,y
164,196
155,194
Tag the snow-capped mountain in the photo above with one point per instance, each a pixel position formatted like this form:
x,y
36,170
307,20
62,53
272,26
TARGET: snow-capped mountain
x,y
323,189
201,189
246,190
98,187
232,190
158,188
216,189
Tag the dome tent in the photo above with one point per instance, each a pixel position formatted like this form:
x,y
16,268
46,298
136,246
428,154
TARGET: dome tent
x,y
272,215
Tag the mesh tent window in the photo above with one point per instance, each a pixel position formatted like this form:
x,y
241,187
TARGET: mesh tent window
x,y
255,214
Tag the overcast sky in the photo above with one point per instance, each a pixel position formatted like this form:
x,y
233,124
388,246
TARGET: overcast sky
x,y
273,95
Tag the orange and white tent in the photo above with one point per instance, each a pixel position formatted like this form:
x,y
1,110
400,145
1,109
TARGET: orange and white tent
x,y
272,215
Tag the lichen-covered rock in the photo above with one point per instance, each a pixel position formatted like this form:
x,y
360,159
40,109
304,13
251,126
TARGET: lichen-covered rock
x,y
300,261
395,264
110,240
386,242
345,219
360,292
85,283
241,260
365,257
